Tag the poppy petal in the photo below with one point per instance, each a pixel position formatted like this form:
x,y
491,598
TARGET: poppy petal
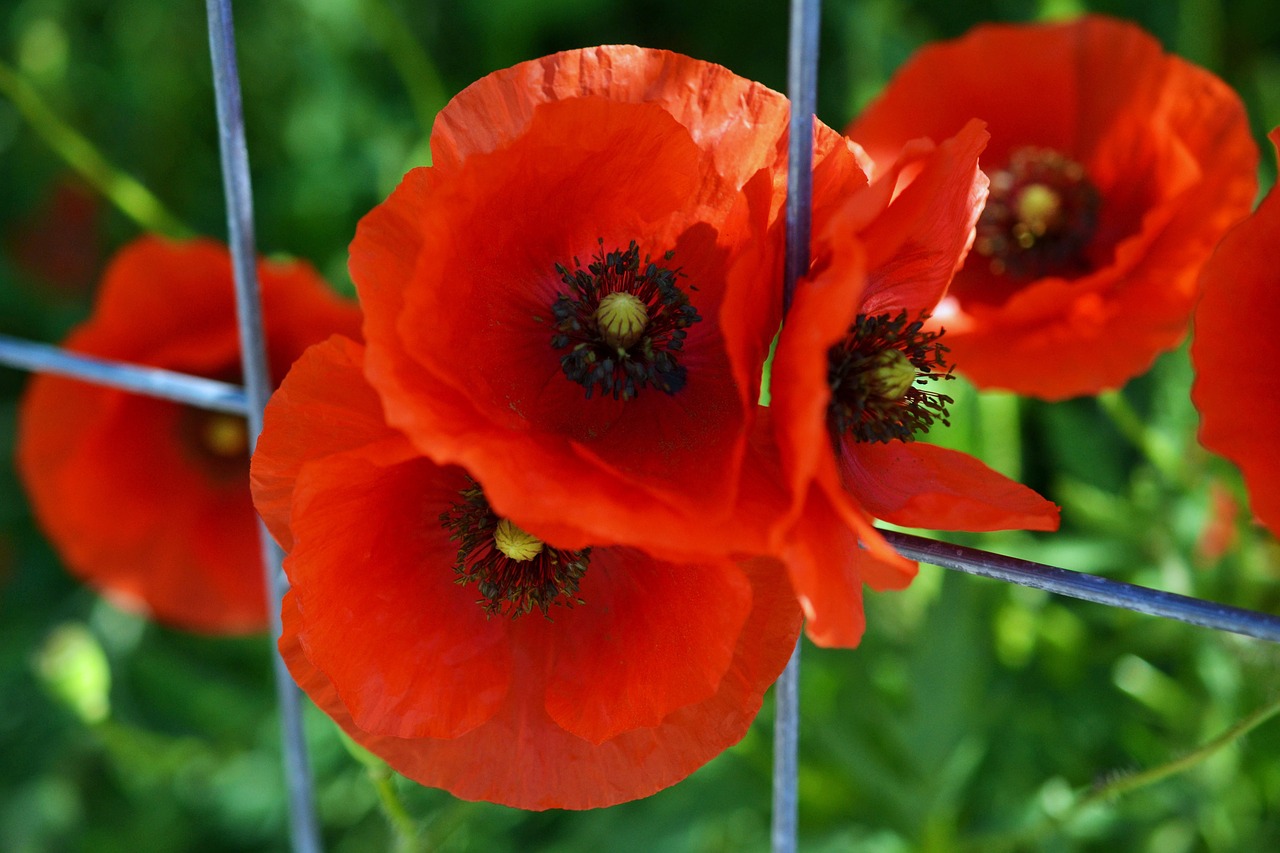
x,y
645,644
832,551
1242,292
324,406
409,650
921,485
738,120
521,758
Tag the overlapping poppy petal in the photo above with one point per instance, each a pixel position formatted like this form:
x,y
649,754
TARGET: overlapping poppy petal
x,y
1115,169
575,303
739,122
1242,295
409,631
146,500
851,389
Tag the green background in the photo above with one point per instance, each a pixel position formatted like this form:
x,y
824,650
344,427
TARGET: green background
x,y
973,711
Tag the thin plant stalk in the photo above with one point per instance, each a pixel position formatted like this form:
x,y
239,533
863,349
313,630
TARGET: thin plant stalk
x,y
121,189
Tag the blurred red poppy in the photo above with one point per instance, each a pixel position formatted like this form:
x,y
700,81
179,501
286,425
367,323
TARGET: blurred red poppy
x,y
60,243
147,500
851,387
575,301
1241,292
477,657
1115,169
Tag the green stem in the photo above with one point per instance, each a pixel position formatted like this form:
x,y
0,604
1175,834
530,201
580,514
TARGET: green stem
x,y
1124,785
1001,437
402,824
418,73
123,190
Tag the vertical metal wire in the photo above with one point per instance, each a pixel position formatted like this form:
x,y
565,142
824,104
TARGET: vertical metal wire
x,y
802,89
786,765
304,831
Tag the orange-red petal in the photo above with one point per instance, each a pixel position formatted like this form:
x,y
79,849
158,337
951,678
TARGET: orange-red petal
x,y
521,758
741,123
1238,409
920,485
830,552
652,637
411,652
324,406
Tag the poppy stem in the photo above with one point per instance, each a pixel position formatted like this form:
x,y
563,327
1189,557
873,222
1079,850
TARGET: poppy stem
x,y
304,831
1033,836
802,89
123,190
418,72
1140,599
140,379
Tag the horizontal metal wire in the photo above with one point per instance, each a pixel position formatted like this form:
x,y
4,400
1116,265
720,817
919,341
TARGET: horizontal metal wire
x,y
225,397
1141,599
152,381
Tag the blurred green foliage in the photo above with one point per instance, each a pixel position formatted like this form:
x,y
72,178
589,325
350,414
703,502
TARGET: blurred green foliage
x,y
974,713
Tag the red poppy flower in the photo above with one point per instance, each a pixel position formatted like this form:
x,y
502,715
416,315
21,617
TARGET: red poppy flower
x,y
474,656
145,499
851,388
1115,169
60,243
1242,292
575,301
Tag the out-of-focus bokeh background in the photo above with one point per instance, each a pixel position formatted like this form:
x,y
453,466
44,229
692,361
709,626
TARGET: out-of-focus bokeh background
x,y
973,710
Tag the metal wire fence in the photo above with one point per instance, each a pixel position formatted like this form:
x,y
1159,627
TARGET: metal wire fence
x,y
251,399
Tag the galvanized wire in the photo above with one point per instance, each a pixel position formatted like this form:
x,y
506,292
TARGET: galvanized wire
x,y
802,89
250,400
304,830
140,379
1140,599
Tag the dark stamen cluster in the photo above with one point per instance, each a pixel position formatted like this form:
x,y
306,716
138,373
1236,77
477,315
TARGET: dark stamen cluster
x,y
869,400
1039,217
595,363
508,587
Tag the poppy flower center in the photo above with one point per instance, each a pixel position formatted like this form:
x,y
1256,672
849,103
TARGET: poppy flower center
x,y
623,323
875,373
513,570
1040,216
219,442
